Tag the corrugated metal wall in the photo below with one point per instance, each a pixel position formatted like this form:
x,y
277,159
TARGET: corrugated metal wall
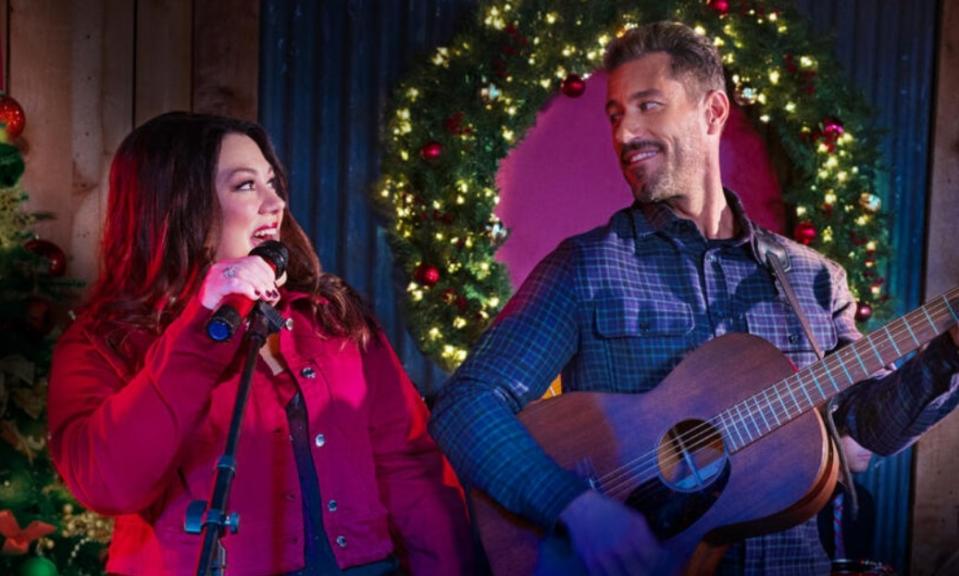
x,y
888,49
327,69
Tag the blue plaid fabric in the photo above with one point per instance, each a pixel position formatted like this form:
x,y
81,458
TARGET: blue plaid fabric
x,y
615,309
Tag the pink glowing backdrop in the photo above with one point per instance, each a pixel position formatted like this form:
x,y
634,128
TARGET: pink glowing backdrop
x,y
563,178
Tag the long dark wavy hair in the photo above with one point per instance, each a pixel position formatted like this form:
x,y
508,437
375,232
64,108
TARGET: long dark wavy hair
x,y
162,229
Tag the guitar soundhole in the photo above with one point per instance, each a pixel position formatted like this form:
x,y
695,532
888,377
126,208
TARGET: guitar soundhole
x,y
693,471
691,455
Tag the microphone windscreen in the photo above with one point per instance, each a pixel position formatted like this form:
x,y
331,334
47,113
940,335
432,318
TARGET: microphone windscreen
x,y
275,254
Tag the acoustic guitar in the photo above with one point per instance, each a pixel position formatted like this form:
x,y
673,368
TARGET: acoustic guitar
x,y
729,446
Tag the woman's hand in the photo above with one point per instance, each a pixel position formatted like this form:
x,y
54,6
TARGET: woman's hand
x,y
250,276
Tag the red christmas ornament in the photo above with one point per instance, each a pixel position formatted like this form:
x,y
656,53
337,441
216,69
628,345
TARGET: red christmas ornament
x,y
832,128
427,275
720,6
454,123
517,40
790,62
573,86
863,311
829,144
444,217
805,232
454,298
431,150
11,114
500,68
829,134
808,79
56,258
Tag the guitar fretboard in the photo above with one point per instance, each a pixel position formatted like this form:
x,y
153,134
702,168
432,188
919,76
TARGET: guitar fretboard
x,y
766,411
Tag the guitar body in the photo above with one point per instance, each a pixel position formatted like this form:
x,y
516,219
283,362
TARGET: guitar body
x,y
769,484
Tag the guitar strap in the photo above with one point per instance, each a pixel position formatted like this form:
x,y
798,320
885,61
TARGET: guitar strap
x,y
772,254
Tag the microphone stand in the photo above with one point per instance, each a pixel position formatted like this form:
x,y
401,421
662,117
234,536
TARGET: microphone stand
x,y
211,518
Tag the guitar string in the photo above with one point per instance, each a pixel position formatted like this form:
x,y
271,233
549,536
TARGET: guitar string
x,y
706,433
743,407
708,436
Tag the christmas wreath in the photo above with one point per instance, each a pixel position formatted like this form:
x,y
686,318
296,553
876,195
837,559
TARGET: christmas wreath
x,y
457,115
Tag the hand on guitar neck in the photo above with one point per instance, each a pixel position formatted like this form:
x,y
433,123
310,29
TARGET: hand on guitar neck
x,y
954,332
610,538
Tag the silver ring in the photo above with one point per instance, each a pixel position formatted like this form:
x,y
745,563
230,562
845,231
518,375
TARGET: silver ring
x,y
229,272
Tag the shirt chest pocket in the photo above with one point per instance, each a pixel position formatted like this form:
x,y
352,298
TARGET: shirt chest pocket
x,y
641,340
776,321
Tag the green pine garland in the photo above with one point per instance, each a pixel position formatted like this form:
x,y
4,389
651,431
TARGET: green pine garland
x,y
460,113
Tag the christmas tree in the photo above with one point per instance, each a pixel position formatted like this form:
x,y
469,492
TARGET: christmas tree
x,y
43,530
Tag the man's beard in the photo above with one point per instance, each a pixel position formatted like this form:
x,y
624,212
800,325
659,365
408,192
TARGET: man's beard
x,y
674,178
657,186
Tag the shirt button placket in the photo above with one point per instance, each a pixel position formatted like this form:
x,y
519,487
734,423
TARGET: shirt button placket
x,y
715,293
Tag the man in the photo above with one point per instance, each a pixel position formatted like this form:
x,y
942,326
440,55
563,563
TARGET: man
x,y
615,309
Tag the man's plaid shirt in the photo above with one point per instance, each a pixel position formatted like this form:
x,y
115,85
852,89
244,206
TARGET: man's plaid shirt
x,y
615,309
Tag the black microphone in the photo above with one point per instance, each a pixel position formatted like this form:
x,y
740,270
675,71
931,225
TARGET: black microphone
x,y
234,308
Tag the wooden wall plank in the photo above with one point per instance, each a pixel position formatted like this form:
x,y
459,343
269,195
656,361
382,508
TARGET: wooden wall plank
x,y
88,71
72,63
87,134
164,60
935,543
41,79
226,40
4,43
104,56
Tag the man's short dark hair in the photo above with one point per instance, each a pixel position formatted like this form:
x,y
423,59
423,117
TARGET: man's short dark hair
x,y
693,55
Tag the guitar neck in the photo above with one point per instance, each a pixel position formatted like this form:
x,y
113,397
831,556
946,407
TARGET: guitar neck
x,y
766,411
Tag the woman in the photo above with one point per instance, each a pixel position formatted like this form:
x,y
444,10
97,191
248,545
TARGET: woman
x,y
335,469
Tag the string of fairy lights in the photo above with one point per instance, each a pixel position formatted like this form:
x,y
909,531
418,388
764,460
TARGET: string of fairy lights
x,y
463,109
